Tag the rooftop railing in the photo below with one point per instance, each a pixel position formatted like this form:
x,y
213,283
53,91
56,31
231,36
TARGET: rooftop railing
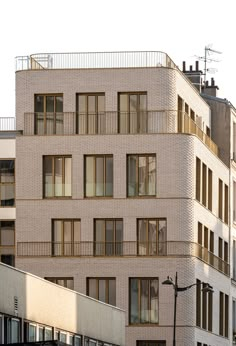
x,y
93,60
7,123
109,123
122,249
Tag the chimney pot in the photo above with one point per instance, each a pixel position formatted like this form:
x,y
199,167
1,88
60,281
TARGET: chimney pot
x,y
212,82
184,66
190,67
197,65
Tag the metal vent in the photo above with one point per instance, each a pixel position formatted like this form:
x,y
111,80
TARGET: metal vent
x,y
16,305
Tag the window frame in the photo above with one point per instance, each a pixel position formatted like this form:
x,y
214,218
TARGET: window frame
x,y
139,309
157,243
137,178
54,157
54,113
55,279
87,114
107,281
63,245
129,112
117,247
8,184
104,157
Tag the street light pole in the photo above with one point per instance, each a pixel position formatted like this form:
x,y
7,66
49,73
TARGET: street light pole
x,y
206,288
175,305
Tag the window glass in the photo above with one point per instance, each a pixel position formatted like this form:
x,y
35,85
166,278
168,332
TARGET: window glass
x,y
63,337
103,289
7,169
99,176
48,334
143,301
48,176
7,233
15,330
41,333
32,333
141,175
90,175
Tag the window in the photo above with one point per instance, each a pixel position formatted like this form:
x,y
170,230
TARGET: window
x,y
65,237
234,320
13,330
44,333
57,176
67,282
90,113
151,343
7,242
132,109
152,237
234,259
203,184
103,289
48,114
234,199
220,200
7,183
226,205
108,237
234,142
143,300
99,176
224,314
141,175
204,307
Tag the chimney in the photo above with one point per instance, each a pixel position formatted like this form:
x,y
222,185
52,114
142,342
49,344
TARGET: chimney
x,y
184,66
210,89
197,66
194,75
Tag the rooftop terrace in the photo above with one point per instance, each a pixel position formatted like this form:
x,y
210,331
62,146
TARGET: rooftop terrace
x,y
93,60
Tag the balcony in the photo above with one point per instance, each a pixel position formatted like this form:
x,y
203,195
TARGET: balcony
x,y
110,123
121,249
87,60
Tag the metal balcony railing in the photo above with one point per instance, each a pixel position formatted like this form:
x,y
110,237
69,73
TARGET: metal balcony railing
x,y
7,124
108,123
121,249
93,60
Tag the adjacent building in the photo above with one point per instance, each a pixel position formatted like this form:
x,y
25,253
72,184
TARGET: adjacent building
x,y
35,310
121,182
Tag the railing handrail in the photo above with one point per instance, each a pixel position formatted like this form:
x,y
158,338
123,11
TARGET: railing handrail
x,y
85,60
122,249
156,121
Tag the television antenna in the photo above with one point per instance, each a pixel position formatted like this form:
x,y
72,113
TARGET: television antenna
x,y
208,51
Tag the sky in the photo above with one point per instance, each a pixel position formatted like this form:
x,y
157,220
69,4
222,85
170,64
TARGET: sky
x,y
181,28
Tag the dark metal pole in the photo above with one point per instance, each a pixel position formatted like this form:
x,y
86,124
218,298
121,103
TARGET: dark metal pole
x,y
175,305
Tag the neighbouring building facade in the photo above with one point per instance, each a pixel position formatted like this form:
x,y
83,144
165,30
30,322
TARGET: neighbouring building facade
x,y
35,310
121,181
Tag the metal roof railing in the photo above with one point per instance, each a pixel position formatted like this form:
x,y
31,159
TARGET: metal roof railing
x,y
93,60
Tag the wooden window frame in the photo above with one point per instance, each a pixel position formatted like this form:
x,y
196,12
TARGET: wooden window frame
x,y
87,113
107,280
114,243
139,299
137,195
63,243
54,157
45,113
129,93
55,279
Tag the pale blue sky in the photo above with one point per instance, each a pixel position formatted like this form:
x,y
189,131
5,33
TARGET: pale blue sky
x,y
181,28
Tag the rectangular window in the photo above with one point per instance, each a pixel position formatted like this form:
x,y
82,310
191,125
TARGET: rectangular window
x,y
132,110
234,142
65,237
198,179
234,320
210,310
7,183
7,242
226,205
143,300
152,237
67,282
234,260
99,176
204,308
221,314
234,200
141,175
209,189
57,176
226,316
108,237
13,330
204,184
90,113
103,289
48,114
220,200
151,343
